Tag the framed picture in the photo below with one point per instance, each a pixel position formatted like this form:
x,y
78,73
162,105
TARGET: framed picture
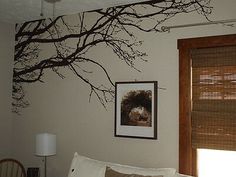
x,y
136,109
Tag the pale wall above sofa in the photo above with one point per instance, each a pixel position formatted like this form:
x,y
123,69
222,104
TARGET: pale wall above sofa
x,y
7,32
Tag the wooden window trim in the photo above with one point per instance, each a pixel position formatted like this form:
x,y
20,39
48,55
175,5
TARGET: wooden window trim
x,y
188,155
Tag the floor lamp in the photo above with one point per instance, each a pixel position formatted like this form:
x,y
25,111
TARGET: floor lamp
x,y
45,146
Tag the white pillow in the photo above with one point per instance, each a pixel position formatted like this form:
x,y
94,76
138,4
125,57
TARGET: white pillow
x,y
85,167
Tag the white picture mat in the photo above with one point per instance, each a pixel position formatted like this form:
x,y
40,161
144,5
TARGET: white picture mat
x,y
138,131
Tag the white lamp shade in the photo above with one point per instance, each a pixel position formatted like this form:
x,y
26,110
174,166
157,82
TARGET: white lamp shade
x,y
45,144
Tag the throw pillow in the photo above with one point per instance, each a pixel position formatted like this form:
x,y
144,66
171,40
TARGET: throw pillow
x,y
112,173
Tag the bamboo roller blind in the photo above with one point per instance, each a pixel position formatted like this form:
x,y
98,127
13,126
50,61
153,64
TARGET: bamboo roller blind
x,y
213,112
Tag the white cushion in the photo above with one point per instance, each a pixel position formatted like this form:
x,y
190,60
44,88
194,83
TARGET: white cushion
x,y
181,175
85,167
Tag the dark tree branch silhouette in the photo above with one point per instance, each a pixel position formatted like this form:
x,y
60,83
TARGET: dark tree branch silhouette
x,y
112,27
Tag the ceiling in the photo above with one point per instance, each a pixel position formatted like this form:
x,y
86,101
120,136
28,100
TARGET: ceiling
x,y
18,11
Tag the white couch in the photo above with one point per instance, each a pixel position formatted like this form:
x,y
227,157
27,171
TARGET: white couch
x,y
85,167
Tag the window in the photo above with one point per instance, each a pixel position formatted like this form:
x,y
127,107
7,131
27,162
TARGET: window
x,y
207,116
216,163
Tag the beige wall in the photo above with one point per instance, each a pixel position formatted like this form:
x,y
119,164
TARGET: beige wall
x,y
61,106
7,32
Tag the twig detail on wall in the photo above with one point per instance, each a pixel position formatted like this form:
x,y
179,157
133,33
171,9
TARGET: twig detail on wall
x,y
70,42
161,88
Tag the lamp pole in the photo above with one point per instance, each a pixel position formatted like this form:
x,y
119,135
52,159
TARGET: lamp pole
x,y
45,166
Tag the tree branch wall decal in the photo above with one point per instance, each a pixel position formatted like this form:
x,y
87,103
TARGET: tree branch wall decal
x,y
112,27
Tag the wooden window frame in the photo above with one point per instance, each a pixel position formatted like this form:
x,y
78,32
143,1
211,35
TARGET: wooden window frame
x,y
188,155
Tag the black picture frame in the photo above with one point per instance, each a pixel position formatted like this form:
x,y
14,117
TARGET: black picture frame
x,y
136,109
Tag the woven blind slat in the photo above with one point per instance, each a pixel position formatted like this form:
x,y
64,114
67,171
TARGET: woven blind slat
x,y
214,105
214,142
213,56
213,116
217,120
